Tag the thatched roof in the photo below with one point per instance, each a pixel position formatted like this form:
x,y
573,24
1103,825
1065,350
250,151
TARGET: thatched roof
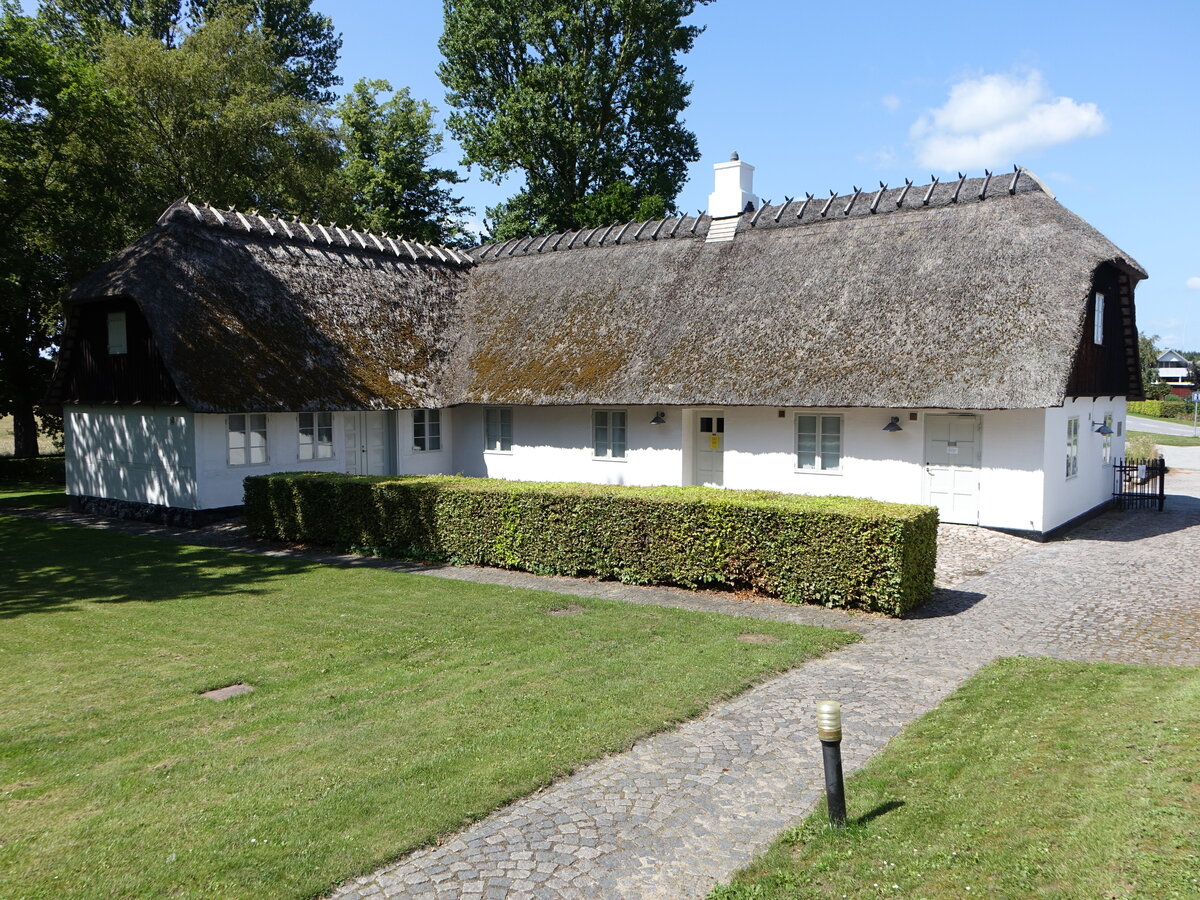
x,y
896,298
252,313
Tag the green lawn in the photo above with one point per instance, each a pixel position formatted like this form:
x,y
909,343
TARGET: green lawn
x,y
1037,779
389,709
21,494
1167,440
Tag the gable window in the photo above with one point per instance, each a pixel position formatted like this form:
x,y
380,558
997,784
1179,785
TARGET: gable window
x,y
247,435
819,443
316,435
1072,447
118,339
608,433
497,429
1098,327
427,430
1108,422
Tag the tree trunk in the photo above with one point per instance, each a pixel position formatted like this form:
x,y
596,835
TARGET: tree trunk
x,y
25,431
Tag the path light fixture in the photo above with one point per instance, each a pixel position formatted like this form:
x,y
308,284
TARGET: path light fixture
x,y
829,730
1101,428
893,425
660,418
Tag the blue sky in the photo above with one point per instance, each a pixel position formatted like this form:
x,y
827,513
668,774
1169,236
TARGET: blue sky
x,y
1098,98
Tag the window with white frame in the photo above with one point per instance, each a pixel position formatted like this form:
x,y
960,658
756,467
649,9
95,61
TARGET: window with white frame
x,y
1098,324
427,430
1072,447
608,433
1108,423
316,435
498,429
247,439
118,337
819,443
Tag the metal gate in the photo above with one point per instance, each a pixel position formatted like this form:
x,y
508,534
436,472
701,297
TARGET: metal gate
x,y
1140,483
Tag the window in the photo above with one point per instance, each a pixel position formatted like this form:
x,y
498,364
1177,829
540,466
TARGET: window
x,y
118,341
819,443
608,433
247,439
427,429
498,429
1072,447
1108,422
316,435
1098,326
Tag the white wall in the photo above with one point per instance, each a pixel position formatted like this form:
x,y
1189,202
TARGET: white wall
x,y
424,462
142,454
1066,498
554,444
220,484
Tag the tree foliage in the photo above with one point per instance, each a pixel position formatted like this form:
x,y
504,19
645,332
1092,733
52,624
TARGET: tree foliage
x,y
392,185
582,98
300,40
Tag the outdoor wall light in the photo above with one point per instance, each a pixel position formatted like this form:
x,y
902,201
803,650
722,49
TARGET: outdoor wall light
x,y
893,425
829,730
660,418
1101,428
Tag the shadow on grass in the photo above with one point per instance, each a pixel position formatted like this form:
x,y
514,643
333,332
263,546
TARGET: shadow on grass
x,y
881,810
55,568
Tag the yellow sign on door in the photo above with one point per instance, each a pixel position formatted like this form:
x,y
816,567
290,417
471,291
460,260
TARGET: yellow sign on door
x,y
714,442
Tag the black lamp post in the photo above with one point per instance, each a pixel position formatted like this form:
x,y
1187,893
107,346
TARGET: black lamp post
x,y
829,730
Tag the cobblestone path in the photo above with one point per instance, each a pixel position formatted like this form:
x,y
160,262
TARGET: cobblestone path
x,y
683,810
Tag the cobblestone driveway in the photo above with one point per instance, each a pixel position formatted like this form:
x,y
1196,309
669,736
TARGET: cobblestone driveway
x,y
683,810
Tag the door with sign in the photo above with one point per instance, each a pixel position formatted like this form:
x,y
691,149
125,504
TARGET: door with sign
x,y
952,462
710,450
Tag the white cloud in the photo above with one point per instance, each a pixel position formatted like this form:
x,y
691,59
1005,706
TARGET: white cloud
x,y
994,119
1193,283
890,101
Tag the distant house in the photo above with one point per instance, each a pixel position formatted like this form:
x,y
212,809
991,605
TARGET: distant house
x,y
1175,371
963,344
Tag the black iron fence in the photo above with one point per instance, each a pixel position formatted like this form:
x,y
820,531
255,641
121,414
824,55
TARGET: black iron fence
x,y
1140,483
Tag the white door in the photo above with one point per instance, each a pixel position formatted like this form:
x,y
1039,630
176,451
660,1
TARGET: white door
x,y
952,454
366,443
709,444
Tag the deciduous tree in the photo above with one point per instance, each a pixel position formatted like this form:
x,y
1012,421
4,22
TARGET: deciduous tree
x,y
584,99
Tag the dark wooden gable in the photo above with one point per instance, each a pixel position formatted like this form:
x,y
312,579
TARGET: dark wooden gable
x,y
1111,368
93,375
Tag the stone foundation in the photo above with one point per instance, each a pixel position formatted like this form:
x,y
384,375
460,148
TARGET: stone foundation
x,y
150,512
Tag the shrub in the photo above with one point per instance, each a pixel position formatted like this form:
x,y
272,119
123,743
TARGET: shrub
x,y
34,469
1145,407
1176,409
837,551
1140,445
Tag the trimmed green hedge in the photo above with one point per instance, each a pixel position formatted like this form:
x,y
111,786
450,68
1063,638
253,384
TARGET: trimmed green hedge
x,y
837,551
1145,407
35,470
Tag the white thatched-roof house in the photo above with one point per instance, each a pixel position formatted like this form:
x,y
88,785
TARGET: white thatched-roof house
x,y
959,344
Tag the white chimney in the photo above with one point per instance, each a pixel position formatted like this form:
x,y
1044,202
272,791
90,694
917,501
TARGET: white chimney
x,y
733,188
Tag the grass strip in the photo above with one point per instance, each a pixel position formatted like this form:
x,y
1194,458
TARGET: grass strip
x,y
1166,440
1038,778
388,709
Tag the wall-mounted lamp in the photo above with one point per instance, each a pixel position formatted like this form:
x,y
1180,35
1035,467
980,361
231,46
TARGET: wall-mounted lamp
x,y
893,425
1101,428
660,418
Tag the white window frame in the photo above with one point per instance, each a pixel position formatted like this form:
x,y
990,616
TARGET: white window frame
x,y
250,424
1098,319
495,435
1107,451
315,436
118,334
605,449
1072,447
818,467
429,423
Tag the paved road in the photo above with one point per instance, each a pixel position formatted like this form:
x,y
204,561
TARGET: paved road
x,y
1154,426
683,810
